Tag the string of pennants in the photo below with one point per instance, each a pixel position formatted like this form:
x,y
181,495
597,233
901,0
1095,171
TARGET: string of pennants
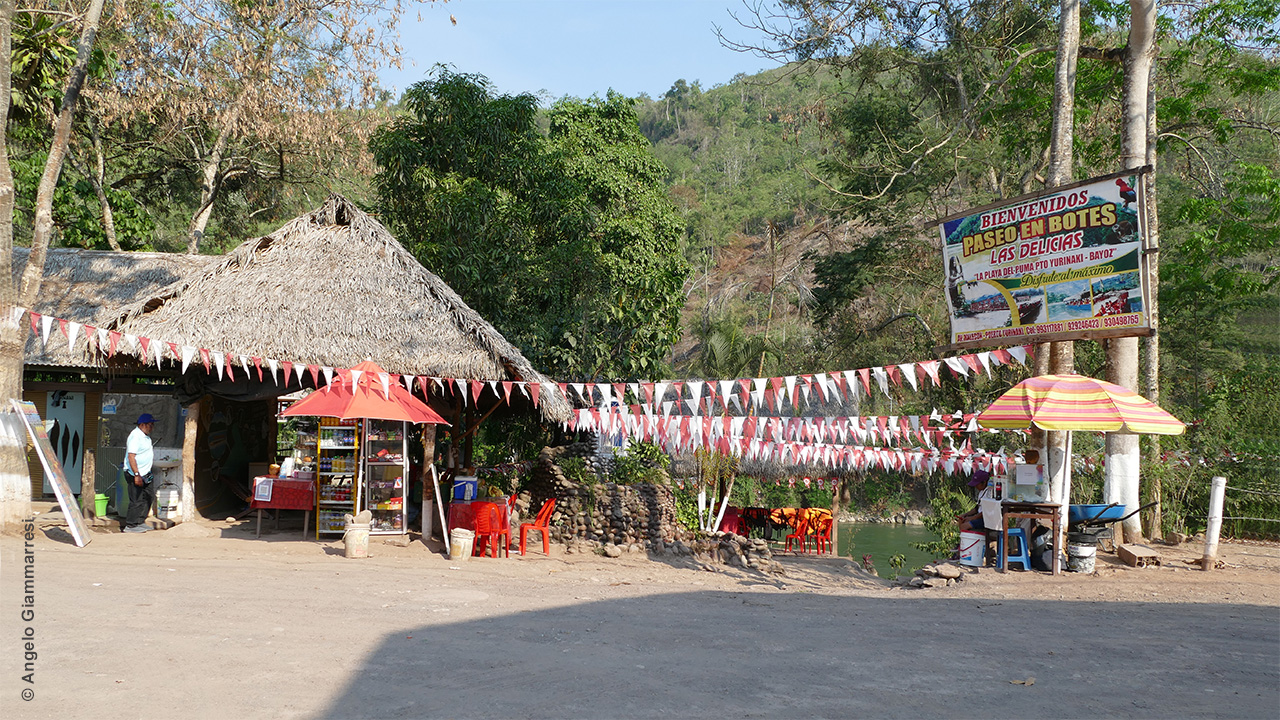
x,y
637,423
769,395
282,372
803,441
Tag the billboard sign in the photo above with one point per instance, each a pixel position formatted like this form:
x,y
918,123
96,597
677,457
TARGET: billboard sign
x,y
1051,265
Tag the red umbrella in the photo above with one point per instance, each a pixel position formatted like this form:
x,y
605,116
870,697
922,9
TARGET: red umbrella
x,y
367,397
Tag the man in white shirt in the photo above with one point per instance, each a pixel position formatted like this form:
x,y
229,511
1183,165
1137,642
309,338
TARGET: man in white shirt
x,y
142,492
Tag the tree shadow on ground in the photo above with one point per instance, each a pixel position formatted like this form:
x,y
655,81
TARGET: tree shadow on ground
x,y
765,653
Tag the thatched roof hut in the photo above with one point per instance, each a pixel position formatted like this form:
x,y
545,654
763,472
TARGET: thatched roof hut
x,y
331,288
91,287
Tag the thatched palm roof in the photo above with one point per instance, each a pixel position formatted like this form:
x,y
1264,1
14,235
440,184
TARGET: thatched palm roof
x,y
91,287
331,288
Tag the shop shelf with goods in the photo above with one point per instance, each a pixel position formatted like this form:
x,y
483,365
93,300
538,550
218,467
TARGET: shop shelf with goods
x,y
337,474
385,475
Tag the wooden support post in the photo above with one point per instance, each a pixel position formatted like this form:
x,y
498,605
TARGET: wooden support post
x,y
189,428
88,485
1216,493
835,517
468,456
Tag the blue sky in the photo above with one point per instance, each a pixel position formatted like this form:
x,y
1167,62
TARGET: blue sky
x,y
575,47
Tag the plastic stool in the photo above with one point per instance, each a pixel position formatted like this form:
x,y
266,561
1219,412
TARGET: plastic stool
x,y
1022,556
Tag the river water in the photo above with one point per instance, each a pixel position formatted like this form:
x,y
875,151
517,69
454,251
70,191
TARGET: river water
x,y
883,540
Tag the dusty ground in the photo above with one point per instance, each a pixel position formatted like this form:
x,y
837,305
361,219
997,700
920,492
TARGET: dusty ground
x,y
207,621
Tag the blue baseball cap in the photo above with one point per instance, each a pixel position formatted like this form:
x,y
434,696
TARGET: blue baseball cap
x,y
145,418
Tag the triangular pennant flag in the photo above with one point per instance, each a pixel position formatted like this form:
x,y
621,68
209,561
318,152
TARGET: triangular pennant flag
x,y
971,361
328,374
15,315
985,359
1019,353
72,330
894,374
930,368
217,360
35,324
115,340
275,369
288,371
406,379
462,389
384,379
909,374
957,366
206,360
535,389
882,379
46,323
864,374
187,353
821,380
506,390
477,387
315,375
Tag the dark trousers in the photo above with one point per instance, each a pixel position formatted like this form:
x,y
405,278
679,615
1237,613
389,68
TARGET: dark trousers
x,y
140,499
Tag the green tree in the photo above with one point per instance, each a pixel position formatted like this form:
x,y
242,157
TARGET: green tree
x,y
565,239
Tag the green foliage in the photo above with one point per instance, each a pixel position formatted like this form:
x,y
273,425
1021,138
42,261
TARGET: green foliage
x,y
576,471
686,509
726,351
642,463
565,240
897,561
946,505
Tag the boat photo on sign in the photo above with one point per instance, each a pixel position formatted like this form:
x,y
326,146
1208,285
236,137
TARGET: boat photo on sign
x,y
1052,263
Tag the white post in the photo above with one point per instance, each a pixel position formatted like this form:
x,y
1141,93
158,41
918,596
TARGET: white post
x,y
1216,492
444,524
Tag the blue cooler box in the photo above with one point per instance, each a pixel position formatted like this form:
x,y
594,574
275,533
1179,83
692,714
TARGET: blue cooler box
x,y
464,488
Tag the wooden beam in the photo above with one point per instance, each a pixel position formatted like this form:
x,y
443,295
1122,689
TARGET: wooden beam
x,y
1045,338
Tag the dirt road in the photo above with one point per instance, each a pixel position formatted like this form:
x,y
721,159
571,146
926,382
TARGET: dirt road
x,y
172,624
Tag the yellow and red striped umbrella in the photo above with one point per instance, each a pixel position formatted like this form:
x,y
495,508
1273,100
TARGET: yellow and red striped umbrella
x,y
1076,402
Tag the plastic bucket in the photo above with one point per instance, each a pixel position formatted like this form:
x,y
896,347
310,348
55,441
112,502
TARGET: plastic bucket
x,y
167,502
355,540
100,504
973,549
461,541
1081,558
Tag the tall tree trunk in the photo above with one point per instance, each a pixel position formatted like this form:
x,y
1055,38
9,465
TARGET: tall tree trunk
x,y
98,179
43,230
211,175
1121,476
1151,360
15,485
1061,167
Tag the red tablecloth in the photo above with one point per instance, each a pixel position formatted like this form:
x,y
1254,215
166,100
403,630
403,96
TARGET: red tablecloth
x,y
462,513
287,495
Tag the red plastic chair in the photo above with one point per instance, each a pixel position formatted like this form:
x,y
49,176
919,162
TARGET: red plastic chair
x,y
491,527
802,531
542,524
822,536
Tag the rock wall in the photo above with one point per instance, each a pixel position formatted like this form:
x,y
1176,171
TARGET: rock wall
x,y
599,512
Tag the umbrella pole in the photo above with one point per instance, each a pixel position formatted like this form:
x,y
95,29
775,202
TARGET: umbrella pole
x,y
1064,502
